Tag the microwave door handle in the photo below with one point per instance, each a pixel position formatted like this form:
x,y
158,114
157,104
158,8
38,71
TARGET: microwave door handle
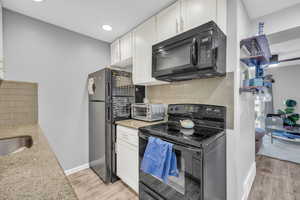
x,y
194,52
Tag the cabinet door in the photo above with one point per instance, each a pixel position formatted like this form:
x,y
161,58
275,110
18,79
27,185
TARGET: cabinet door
x,y
126,47
197,12
222,15
168,22
144,37
127,164
115,52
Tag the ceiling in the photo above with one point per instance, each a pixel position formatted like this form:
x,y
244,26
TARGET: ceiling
x,y
87,17
259,8
286,44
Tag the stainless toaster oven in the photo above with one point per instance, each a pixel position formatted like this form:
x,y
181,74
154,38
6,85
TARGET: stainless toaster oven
x,y
148,112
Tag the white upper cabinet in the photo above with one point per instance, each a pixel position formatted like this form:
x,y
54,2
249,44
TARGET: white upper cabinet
x,y
168,22
126,47
197,12
222,15
121,51
144,36
184,15
115,52
179,17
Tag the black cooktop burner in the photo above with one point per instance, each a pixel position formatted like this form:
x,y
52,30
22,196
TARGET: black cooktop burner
x,y
209,123
197,136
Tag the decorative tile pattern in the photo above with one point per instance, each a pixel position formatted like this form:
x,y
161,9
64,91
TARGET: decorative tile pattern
x,y
18,103
215,91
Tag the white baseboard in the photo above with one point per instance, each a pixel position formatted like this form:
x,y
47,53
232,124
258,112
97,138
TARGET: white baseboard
x,y
249,181
77,169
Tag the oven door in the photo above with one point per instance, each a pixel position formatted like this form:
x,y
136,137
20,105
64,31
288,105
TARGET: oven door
x,y
177,57
187,186
140,112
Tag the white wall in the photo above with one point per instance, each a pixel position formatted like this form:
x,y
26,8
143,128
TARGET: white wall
x,y
244,115
286,86
232,47
59,60
240,141
279,21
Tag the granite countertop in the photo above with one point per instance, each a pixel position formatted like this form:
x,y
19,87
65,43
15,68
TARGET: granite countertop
x,y
136,124
33,173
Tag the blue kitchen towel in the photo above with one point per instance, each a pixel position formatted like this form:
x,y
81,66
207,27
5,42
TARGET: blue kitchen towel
x,y
159,159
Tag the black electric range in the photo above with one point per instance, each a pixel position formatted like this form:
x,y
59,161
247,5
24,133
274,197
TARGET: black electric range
x,y
200,152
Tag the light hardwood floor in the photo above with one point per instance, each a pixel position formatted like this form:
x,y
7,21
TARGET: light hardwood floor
x,y
88,186
276,180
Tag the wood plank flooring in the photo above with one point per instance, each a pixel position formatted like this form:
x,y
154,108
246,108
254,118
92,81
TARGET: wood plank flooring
x,y
276,180
88,186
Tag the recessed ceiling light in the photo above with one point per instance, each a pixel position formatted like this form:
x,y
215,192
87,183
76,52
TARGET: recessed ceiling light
x,y
38,0
107,27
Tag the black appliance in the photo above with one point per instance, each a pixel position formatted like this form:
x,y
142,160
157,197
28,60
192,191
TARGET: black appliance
x,y
200,152
139,93
111,94
197,53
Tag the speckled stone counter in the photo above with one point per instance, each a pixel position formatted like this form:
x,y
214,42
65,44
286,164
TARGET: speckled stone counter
x,y
33,173
132,123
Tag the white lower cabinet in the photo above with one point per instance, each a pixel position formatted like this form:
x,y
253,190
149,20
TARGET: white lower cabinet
x,y
127,156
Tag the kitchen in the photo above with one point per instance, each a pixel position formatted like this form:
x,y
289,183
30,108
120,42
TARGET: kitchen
x,y
168,71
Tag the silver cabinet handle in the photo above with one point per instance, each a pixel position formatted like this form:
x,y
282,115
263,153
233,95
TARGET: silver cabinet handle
x,y
177,26
181,24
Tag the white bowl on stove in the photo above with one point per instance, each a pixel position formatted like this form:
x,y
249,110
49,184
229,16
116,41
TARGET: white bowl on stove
x,y
187,124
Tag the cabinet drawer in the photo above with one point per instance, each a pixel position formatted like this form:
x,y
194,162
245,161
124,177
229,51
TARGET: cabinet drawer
x,y
129,135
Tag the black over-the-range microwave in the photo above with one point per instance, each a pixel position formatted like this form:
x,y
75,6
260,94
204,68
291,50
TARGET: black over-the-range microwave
x,y
197,53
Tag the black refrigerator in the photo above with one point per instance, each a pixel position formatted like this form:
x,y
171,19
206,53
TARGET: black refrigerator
x,y
111,93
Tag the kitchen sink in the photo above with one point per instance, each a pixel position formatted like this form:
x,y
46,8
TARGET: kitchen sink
x,y
15,144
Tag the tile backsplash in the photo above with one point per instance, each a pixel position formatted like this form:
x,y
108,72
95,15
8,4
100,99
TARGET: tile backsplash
x,y
214,91
18,103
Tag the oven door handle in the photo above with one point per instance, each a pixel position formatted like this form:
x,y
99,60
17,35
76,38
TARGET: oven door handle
x,y
194,52
185,148
176,146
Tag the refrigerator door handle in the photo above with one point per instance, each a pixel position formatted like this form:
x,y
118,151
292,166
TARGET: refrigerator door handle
x,y
108,89
108,112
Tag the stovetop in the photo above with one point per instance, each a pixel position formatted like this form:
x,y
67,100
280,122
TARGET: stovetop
x,y
198,136
209,124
